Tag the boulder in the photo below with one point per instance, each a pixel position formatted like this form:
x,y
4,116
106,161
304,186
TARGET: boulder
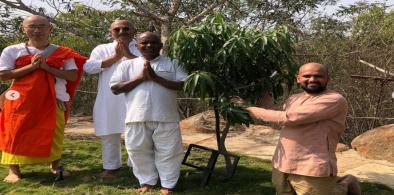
x,y
376,143
205,123
342,147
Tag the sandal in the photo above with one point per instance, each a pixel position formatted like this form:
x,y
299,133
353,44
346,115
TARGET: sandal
x,y
59,173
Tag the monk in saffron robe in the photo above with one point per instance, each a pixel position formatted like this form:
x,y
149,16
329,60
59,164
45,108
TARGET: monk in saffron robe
x,y
36,105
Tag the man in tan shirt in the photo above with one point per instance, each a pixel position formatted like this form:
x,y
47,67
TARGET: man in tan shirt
x,y
313,121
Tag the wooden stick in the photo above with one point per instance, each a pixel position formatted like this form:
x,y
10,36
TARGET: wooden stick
x,y
371,77
377,68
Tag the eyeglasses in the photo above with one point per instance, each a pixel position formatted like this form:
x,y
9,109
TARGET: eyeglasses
x,y
126,29
39,27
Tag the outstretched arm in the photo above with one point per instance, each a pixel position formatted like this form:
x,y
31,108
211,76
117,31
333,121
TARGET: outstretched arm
x,y
324,108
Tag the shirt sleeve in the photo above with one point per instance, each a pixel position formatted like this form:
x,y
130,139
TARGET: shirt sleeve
x,y
7,62
70,64
325,107
120,74
180,73
93,64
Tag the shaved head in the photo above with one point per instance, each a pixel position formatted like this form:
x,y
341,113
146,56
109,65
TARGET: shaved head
x,y
35,18
313,77
149,45
38,29
122,30
314,65
123,22
152,35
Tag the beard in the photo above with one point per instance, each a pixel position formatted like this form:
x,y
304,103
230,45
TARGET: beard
x,y
316,90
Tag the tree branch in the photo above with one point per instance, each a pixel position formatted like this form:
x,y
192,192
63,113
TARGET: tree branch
x,y
159,4
174,8
21,6
199,16
145,13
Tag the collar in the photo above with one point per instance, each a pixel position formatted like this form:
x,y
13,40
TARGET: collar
x,y
152,61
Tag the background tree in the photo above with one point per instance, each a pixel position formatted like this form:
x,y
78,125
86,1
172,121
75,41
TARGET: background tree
x,y
171,14
82,27
362,31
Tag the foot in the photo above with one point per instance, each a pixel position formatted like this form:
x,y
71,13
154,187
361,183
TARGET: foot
x,y
144,188
60,173
166,191
14,174
108,174
12,178
58,170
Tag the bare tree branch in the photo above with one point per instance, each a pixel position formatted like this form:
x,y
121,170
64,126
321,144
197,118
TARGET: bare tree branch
x,y
159,5
199,16
145,13
21,6
174,8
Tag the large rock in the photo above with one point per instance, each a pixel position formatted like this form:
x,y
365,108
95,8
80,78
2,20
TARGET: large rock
x,y
342,147
205,123
376,144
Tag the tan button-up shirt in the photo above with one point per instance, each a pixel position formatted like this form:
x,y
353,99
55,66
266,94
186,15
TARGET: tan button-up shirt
x,y
312,128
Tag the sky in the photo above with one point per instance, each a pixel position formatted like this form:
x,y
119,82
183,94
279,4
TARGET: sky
x,y
327,9
331,9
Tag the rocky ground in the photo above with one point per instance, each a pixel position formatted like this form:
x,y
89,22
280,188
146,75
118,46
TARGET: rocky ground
x,y
258,141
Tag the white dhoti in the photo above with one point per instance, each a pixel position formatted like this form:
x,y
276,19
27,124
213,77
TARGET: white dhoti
x,y
111,151
155,150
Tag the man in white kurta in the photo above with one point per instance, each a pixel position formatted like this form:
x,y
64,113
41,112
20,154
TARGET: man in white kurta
x,y
152,136
109,110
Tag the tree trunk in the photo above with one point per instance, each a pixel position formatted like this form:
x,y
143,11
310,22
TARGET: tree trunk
x,y
165,29
222,144
221,141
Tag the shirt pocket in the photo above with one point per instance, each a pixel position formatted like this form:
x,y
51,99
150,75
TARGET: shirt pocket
x,y
166,72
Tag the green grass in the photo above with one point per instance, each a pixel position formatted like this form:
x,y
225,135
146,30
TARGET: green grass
x,y
83,159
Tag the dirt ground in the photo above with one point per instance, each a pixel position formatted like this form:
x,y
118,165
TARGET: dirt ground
x,y
260,141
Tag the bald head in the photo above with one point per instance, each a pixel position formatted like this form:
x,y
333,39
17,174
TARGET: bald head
x,y
123,22
314,65
149,45
149,34
38,29
36,19
122,30
313,77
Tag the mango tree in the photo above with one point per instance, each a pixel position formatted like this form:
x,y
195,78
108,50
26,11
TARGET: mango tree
x,y
225,60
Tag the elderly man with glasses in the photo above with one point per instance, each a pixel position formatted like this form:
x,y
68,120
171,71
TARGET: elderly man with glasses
x,y
110,110
36,105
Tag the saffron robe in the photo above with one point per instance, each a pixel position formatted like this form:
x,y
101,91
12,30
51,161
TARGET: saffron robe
x,y
27,123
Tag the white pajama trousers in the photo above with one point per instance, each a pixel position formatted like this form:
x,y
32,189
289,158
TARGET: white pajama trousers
x,y
155,150
111,151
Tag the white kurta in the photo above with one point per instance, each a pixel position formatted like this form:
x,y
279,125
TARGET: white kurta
x,y
109,110
150,101
152,136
